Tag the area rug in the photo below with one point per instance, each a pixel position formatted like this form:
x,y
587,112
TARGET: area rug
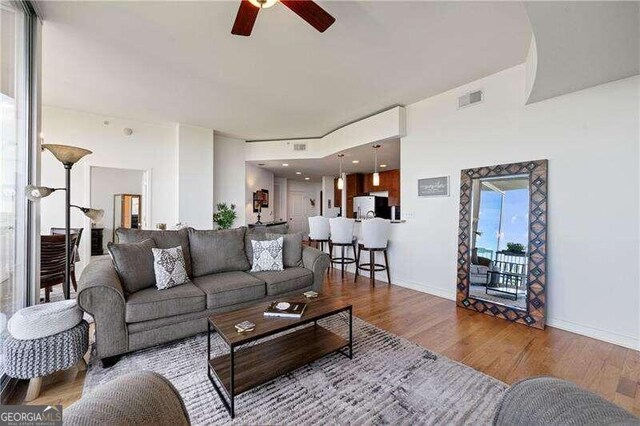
x,y
389,381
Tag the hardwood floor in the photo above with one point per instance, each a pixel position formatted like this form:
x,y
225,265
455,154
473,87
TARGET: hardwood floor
x,y
504,350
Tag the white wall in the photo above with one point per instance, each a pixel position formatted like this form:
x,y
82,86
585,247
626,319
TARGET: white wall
x,y
280,211
229,174
151,147
327,190
388,124
591,139
105,183
258,178
195,175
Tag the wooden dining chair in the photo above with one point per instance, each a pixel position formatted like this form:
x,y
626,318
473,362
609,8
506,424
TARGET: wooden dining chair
x,y
76,251
52,265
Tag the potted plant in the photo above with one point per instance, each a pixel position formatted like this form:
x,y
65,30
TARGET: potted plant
x,y
515,248
225,216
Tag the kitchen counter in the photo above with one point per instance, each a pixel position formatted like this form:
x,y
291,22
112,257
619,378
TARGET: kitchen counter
x,y
267,224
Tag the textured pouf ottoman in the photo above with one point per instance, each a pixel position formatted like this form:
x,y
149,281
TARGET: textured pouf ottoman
x,y
44,339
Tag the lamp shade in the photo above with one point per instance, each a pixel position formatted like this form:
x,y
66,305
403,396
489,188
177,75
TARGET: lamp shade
x,y
340,183
35,193
95,215
67,154
376,179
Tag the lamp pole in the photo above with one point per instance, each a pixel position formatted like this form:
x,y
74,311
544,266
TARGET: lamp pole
x,y
66,288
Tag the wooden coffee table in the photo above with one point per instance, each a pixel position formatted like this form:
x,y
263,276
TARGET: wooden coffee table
x,y
245,368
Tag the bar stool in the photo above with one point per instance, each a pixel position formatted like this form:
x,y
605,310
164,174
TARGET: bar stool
x,y
319,230
375,237
342,236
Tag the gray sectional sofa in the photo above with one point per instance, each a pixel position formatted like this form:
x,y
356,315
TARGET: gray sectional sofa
x,y
130,314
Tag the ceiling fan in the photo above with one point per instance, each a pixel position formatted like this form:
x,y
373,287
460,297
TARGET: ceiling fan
x,y
308,10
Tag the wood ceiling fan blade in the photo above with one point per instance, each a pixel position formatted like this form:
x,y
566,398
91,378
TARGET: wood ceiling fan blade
x,y
311,12
246,17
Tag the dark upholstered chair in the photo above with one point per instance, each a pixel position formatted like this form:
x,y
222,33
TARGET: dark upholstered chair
x,y
551,401
142,398
52,266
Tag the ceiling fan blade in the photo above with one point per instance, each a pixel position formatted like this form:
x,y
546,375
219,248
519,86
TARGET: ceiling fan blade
x,y
310,12
246,17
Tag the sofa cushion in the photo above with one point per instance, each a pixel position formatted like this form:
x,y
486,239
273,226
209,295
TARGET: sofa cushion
x,y
151,303
163,240
252,235
230,288
290,279
277,229
217,251
134,264
292,248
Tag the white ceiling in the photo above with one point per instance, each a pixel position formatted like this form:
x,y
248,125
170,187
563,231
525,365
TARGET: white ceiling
x,y
388,154
178,62
583,44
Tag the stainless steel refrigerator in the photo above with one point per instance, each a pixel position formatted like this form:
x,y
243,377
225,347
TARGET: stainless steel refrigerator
x,y
371,206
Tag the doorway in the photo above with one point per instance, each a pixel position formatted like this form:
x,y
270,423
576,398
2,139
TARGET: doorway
x,y
295,208
107,186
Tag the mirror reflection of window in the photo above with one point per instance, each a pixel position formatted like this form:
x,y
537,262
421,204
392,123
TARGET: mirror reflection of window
x,y
499,239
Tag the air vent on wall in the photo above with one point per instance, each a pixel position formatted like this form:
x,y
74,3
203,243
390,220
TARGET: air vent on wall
x,y
299,146
470,98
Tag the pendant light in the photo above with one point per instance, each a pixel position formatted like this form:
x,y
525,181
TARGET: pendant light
x,y
340,180
376,175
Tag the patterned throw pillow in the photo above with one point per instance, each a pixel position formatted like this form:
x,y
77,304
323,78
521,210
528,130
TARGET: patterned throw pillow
x,y
169,267
267,255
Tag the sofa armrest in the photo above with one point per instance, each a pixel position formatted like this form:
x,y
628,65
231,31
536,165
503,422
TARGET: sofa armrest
x,y
100,294
142,397
547,400
318,262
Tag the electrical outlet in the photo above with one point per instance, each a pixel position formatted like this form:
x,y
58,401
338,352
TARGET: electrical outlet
x,y
409,215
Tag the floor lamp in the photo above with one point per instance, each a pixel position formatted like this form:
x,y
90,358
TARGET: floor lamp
x,y
68,156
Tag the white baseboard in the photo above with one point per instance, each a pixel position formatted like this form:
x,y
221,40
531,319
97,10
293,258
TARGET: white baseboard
x,y
434,291
595,333
584,330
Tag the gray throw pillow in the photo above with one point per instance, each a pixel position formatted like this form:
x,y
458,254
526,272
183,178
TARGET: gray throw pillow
x,y
292,246
169,267
267,255
134,264
163,239
217,251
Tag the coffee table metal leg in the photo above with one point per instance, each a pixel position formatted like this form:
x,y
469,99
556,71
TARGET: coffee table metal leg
x,y
232,393
350,333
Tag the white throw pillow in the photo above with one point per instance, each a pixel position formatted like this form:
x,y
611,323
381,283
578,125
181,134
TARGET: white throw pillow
x,y
169,267
267,255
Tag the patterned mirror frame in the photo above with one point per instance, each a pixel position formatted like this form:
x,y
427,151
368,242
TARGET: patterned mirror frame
x,y
534,314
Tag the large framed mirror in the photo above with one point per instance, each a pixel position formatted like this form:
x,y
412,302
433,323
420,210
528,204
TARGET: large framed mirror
x,y
502,241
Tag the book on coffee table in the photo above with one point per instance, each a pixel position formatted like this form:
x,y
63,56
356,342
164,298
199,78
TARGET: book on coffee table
x,y
285,309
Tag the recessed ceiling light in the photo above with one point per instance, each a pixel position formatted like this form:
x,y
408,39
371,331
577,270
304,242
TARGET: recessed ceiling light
x,y
260,164
285,164
298,173
383,165
307,178
355,161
